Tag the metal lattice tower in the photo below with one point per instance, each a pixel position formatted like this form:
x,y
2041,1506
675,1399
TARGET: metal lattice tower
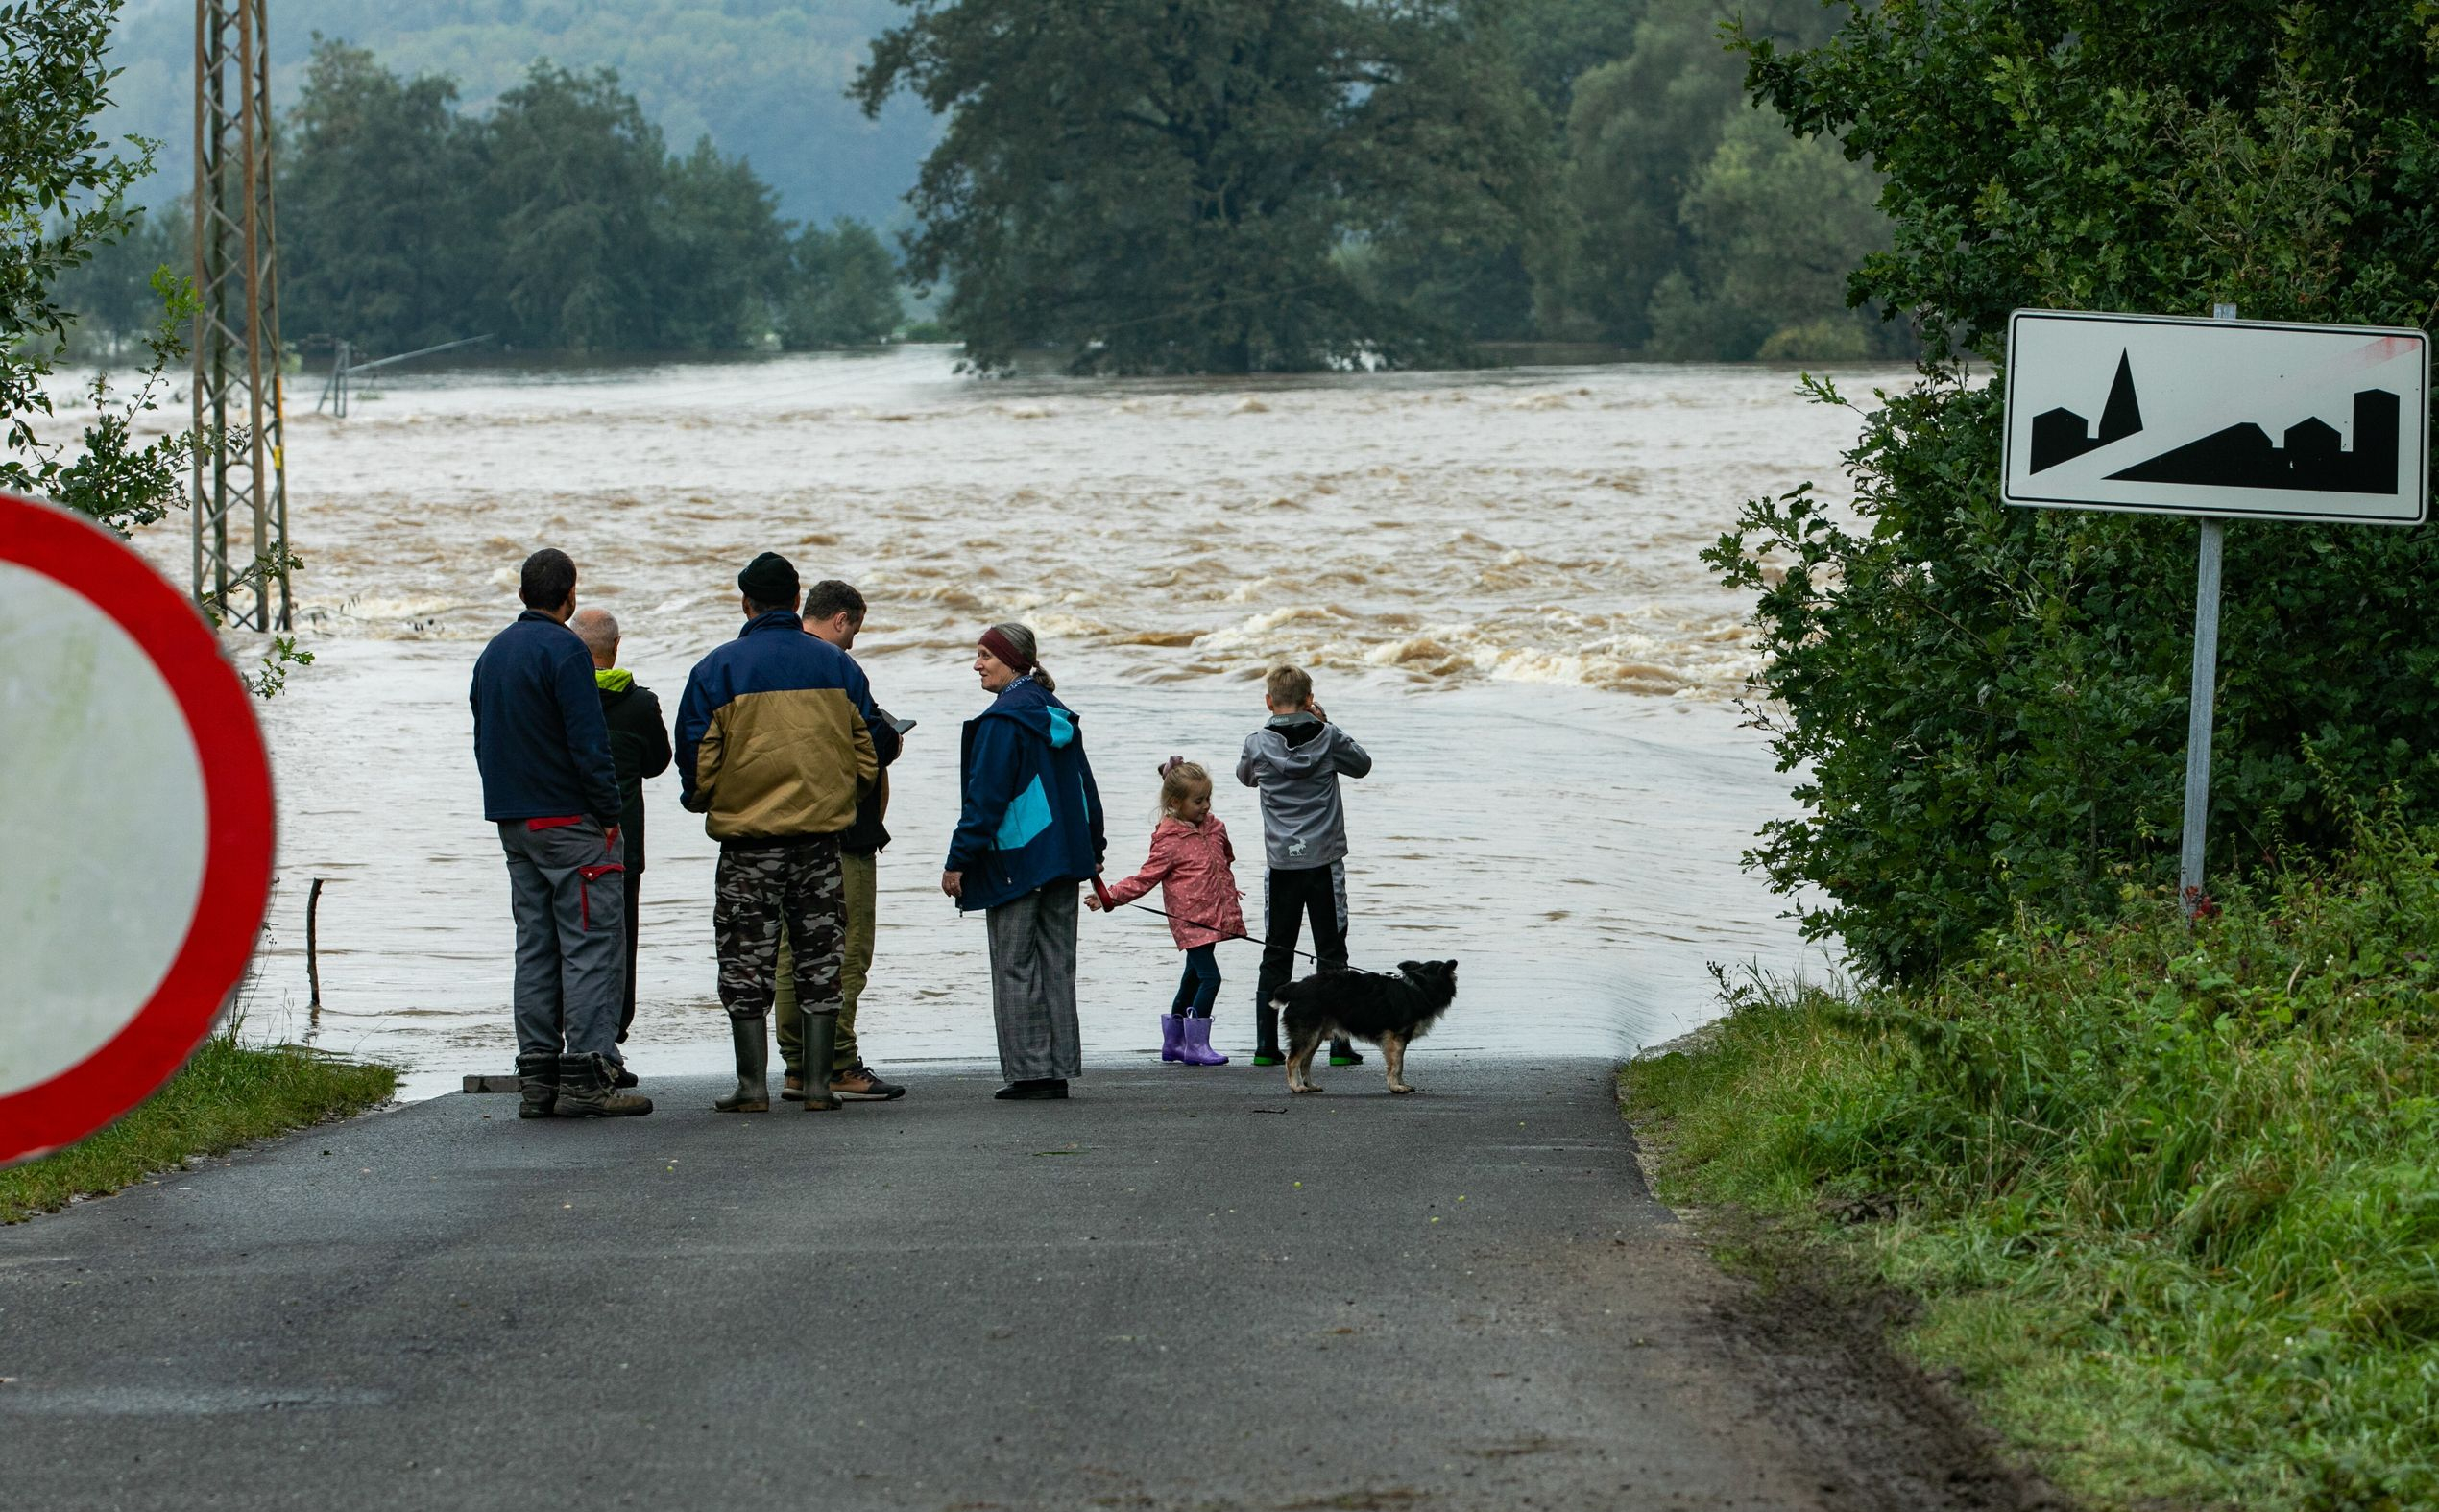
x,y
240,480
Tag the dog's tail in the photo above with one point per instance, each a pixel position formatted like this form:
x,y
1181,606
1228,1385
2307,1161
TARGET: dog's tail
x,y
1278,1005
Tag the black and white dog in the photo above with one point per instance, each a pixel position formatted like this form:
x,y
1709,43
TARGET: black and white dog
x,y
1390,1011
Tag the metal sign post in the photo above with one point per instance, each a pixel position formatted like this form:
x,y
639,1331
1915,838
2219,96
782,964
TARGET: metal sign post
x,y
2203,703
2186,410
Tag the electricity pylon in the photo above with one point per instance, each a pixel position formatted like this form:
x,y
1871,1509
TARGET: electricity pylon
x,y
240,479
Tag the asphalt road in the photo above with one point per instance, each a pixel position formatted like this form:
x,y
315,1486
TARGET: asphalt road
x,y
1180,1288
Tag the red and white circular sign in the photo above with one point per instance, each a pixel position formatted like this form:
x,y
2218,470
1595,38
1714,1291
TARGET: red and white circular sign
x,y
135,809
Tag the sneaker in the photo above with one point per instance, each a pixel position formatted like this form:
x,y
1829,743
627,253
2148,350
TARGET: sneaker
x,y
1033,1091
791,1088
857,1084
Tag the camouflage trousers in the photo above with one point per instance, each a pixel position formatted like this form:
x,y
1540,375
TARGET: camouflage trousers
x,y
763,888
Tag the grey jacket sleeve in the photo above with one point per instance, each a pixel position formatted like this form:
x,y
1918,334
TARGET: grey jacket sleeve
x,y
1348,757
1248,770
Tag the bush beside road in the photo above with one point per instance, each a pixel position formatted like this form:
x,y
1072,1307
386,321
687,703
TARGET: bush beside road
x,y
2169,1198
227,1096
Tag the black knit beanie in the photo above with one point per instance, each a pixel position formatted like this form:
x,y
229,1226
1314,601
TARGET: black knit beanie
x,y
770,580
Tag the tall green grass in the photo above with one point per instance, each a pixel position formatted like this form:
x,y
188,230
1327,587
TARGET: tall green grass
x,y
2172,1193
227,1096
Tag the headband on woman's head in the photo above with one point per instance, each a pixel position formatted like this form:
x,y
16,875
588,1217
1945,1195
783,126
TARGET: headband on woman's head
x,y
1001,647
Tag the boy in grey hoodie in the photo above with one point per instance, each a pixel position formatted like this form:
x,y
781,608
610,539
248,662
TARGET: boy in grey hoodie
x,y
1295,759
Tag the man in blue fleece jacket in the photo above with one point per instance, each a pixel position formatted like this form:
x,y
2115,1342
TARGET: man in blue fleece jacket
x,y
548,783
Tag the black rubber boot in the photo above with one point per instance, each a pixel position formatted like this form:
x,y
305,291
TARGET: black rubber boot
x,y
538,1084
1266,1037
821,1041
588,1090
753,1094
1343,1053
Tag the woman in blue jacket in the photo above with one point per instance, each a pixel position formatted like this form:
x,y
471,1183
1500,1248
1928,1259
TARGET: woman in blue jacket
x,y
1031,832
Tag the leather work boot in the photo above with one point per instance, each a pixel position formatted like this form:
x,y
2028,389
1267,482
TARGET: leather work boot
x,y
536,1084
792,1089
821,1041
753,1092
588,1090
860,1083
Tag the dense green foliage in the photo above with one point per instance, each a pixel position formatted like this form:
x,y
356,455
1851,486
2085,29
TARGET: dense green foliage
x,y
228,1094
62,198
1438,172
1699,226
844,290
1988,705
556,220
2173,1193
112,292
1257,183
1170,186
764,79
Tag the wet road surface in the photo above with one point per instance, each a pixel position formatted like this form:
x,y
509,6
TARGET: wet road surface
x,y
1180,1288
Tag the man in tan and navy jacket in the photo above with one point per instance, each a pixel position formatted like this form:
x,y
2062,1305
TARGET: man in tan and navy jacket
x,y
774,749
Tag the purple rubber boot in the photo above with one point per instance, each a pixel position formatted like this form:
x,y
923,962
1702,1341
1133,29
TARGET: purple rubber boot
x,y
1198,1050
1173,1035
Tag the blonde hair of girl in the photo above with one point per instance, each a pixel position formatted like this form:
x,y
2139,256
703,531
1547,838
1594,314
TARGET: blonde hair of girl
x,y
1180,780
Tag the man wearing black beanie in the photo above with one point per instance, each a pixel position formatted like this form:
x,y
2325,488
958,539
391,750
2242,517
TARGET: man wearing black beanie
x,y
774,749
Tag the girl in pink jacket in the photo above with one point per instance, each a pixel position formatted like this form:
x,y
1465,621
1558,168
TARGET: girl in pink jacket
x,y
1190,863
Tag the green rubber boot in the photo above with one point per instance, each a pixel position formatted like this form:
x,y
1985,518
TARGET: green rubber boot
x,y
821,1041
1266,1037
753,1094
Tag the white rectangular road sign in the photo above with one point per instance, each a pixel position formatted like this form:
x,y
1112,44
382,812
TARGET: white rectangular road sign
x,y
2232,417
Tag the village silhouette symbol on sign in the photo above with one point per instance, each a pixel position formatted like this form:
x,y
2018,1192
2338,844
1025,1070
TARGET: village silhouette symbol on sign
x,y
2242,456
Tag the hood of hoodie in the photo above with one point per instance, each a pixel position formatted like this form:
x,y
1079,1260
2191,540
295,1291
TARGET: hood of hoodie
x,y
1032,708
615,682
1308,743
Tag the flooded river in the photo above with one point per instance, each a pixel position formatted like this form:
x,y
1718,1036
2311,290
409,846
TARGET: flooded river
x,y
1491,575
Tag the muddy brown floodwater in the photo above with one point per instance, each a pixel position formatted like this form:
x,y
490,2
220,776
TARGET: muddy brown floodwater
x,y
1492,575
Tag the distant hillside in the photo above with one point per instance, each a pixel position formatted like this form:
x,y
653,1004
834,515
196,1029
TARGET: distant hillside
x,y
763,77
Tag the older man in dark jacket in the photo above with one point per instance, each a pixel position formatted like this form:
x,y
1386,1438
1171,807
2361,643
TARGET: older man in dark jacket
x,y
834,612
549,784
640,749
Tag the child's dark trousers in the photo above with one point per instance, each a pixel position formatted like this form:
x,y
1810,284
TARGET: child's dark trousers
x,y
1199,988
1289,897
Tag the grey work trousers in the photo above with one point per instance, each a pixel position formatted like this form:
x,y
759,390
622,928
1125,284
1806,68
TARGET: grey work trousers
x,y
1034,985
566,889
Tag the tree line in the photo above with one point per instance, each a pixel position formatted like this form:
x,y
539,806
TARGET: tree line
x,y
1138,186
557,219
1241,185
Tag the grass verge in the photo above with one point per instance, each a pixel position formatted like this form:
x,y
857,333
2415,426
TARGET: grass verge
x,y
2170,1196
228,1094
